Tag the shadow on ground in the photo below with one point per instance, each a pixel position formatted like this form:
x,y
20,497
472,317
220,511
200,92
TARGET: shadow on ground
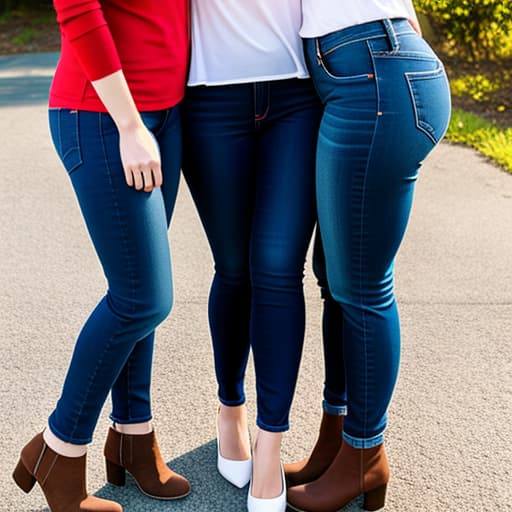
x,y
210,492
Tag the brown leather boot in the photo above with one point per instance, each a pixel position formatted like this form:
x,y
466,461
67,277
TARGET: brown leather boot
x,y
140,456
352,473
324,452
62,479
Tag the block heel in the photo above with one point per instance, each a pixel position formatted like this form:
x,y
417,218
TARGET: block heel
x,y
374,500
116,475
23,478
354,472
140,456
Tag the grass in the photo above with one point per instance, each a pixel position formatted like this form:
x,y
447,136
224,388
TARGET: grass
x,y
26,36
488,138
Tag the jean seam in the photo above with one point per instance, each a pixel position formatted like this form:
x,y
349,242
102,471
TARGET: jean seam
x,y
164,122
363,206
128,394
123,236
358,40
90,382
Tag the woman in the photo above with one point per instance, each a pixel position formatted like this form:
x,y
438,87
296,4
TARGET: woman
x,y
386,105
115,125
250,120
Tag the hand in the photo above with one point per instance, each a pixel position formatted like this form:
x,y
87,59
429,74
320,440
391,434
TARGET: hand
x,y
415,25
140,156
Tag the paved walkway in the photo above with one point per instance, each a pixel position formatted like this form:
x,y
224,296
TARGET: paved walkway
x,y
450,433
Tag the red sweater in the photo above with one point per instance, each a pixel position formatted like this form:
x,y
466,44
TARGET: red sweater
x,y
147,39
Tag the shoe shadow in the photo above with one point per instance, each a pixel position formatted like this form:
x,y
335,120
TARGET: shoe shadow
x,y
210,492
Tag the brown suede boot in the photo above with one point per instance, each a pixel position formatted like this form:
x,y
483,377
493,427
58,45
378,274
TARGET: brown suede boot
x,y
324,452
62,479
352,473
140,456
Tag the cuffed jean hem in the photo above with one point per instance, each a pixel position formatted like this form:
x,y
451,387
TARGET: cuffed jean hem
x,y
335,399
232,403
65,438
272,428
360,443
124,421
335,410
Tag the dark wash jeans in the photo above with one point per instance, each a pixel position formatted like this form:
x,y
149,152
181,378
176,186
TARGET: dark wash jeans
x,y
386,105
129,231
249,156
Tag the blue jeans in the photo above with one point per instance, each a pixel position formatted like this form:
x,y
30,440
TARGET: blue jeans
x,y
249,156
129,231
386,105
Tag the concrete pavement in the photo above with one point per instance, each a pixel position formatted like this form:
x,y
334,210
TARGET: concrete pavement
x,y
450,436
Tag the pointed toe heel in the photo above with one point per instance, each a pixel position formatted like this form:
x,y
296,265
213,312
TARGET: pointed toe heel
x,y
116,475
23,478
375,500
277,504
236,472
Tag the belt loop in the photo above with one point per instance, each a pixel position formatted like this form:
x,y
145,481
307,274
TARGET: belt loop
x,y
390,32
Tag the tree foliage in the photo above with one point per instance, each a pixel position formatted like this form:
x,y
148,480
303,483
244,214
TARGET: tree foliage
x,y
476,28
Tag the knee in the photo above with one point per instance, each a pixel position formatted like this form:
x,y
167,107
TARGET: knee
x,y
277,269
368,295
142,313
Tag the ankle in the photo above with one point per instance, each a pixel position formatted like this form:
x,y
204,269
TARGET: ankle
x,y
267,479
233,413
233,431
62,447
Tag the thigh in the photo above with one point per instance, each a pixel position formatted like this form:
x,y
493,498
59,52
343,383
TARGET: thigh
x,y
218,165
128,228
370,150
284,214
168,134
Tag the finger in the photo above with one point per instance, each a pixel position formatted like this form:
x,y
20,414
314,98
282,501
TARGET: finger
x,y
137,179
129,177
157,176
148,179
415,25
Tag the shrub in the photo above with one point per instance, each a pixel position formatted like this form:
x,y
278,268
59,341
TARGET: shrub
x,y
478,27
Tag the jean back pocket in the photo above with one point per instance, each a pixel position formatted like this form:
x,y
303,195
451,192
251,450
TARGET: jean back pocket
x,y
64,128
430,95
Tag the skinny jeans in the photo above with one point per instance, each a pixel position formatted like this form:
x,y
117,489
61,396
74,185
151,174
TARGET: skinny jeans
x,y
249,156
386,105
128,229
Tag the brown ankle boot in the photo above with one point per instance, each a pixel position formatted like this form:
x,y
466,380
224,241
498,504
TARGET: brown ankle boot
x,y
62,479
140,456
324,452
352,473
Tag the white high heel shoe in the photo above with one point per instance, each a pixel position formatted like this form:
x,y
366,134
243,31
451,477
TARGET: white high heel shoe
x,y
236,472
277,504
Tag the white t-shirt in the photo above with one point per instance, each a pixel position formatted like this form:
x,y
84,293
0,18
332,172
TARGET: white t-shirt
x,y
321,17
238,41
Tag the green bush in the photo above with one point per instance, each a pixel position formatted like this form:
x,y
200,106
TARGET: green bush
x,y
479,28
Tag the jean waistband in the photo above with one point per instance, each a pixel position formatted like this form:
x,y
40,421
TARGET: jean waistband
x,y
390,28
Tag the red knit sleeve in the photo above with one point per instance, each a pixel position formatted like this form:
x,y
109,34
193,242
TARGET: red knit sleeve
x,y
82,23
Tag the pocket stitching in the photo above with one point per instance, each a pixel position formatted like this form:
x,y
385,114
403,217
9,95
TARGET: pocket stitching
x,y
412,76
347,79
76,146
